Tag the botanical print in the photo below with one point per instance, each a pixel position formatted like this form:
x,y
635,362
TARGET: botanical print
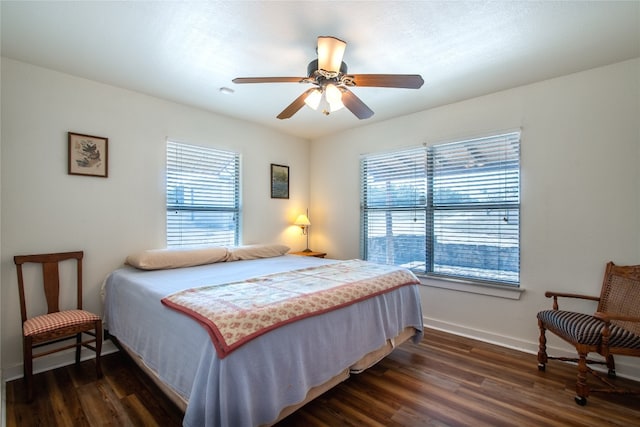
x,y
88,155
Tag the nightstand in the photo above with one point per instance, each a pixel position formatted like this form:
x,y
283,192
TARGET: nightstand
x,y
311,253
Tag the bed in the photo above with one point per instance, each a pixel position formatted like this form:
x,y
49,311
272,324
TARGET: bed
x,y
271,373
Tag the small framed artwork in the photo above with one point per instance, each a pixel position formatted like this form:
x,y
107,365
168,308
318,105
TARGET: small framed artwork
x,y
279,182
88,155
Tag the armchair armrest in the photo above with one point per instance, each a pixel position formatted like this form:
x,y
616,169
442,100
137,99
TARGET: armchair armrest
x,y
555,296
607,317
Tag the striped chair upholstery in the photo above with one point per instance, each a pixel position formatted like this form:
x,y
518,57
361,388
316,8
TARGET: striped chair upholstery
x,y
614,328
586,329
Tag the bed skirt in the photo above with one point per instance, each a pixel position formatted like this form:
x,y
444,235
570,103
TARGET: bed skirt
x,y
361,365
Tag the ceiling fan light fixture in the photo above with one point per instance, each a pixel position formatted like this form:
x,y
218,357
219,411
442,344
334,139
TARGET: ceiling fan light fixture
x,y
313,99
327,99
333,97
330,53
333,94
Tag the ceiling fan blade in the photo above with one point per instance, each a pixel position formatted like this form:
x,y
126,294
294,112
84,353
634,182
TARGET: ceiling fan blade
x,y
407,81
269,80
330,53
355,104
296,105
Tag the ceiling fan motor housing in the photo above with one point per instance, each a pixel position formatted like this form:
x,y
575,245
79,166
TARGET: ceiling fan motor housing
x,y
320,75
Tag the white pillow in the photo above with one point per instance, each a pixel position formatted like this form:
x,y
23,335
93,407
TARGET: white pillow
x,y
159,259
256,251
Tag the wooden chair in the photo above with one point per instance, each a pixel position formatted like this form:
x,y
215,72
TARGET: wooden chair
x,y
613,329
57,325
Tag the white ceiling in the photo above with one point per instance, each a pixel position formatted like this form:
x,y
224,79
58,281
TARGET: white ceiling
x,y
187,51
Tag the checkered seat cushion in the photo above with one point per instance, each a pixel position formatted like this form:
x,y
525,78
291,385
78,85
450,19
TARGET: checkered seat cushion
x,y
586,329
49,322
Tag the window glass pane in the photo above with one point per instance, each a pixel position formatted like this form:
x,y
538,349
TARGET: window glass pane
x,y
396,237
477,244
189,227
394,179
485,170
474,212
202,195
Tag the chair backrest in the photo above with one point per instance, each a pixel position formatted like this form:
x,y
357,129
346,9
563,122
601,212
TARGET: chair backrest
x,y
621,294
51,278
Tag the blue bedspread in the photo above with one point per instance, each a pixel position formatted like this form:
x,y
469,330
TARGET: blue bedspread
x,y
253,384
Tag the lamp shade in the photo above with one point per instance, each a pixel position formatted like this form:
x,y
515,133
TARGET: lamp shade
x,y
330,53
302,220
313,99
328,100
333,97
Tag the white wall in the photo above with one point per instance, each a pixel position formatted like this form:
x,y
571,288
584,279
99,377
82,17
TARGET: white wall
x,y
46,210
580,204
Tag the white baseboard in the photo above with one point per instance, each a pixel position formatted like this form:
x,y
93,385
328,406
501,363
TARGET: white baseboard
x,y
624,368
55,360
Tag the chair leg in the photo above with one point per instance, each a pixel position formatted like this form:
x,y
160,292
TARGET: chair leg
x,y
98,348
542,349
582,389
611,364
78,347
27,363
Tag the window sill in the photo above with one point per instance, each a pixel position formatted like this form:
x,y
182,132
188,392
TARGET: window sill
x,y
471,287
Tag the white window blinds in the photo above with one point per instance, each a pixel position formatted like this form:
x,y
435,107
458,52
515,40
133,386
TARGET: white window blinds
x,y
203,195
449,210
393,207
473,211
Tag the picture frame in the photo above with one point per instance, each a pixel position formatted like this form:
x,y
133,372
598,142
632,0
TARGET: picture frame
x,y
88,155
279,181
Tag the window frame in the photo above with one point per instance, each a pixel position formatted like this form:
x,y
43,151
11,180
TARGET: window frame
x,y
495,287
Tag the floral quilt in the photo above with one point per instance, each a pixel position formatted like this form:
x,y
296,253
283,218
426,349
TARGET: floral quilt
x,y
235,313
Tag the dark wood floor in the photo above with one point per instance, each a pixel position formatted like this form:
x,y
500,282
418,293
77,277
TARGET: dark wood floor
x,y
444,381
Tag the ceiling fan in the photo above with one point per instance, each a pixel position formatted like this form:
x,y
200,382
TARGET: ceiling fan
x,y
331,82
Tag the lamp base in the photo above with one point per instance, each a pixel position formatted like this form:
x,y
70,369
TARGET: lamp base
x,y
307,250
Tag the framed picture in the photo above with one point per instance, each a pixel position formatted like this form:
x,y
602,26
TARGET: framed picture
x,y
279,182
88,155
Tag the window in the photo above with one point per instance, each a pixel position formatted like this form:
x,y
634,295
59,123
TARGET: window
x,y
394,191
449,210
203,195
